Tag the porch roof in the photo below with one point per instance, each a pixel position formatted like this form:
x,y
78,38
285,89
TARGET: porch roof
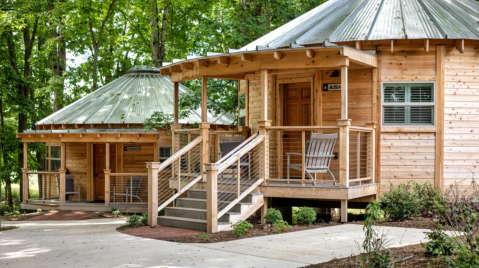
x,y
237,63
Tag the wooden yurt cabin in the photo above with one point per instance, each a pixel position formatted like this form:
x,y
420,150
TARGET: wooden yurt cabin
x,y
396,81
97,145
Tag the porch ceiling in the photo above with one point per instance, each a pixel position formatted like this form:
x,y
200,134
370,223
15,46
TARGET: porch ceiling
x,y
235,65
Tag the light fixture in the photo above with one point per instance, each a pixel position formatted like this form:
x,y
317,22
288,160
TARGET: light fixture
x,y
335,73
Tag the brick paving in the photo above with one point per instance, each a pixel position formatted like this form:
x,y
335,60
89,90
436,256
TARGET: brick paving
x,y
63,215
159,232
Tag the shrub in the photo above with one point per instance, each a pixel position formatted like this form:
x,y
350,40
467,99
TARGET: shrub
x,y
128,212
429,197
439,242
204,237
295,215
306,215
401,202
273,215
241,228
135,221
280,226
115,212
145,219
112,209
4,209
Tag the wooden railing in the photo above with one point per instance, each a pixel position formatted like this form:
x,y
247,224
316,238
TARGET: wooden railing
x,y
44,186
126,188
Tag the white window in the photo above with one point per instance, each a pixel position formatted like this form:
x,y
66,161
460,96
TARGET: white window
x,y
408,104
53,161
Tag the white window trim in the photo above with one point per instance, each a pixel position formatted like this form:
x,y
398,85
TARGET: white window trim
x,y
383,104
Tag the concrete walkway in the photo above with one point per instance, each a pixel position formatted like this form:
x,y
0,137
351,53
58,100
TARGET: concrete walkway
x,y
96,243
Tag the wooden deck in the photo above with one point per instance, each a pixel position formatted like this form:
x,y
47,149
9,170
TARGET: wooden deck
x,y
84,206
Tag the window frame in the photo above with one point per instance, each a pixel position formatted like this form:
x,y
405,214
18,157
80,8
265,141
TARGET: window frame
x,y
49,158
409,104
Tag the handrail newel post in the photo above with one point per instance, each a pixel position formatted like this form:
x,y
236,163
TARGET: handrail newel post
x,y
205,159
62,185
263,124
25,184
107,186
344,125
211,197
152,193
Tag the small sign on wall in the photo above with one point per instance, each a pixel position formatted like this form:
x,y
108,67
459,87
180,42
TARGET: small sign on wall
x,y
132,148
331,87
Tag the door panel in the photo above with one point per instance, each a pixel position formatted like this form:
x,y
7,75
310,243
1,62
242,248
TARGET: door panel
x,y
99,165
297,112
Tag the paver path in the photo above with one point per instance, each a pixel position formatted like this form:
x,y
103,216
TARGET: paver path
x,y
96,243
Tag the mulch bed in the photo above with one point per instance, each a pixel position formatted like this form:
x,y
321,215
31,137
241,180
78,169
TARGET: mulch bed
x,y
21,217
58,215
410,256
417,223
6,228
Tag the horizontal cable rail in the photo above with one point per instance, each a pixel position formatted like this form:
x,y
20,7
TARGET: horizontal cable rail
x,y
129,188
239,173
181,171
43,186
360,155
218,136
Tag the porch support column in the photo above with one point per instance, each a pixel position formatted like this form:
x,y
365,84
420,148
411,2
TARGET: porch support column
x,y
344,211
176,103
205,134
344,92
25,173
204,99
107,171
62,171
344,125
211,197
152,193
264,210
263,124
371,155
264,94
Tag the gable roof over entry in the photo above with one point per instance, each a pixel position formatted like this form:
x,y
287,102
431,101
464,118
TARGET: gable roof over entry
x,y
360,20
130,99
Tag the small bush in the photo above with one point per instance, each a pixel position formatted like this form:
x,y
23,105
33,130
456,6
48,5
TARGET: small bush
x,y
39,210
273,215
4,209
135,221
429,197
115,212
204,237
280,226
401,202
439,243
306,215
241,228
145,219
128,212
113,209
295,215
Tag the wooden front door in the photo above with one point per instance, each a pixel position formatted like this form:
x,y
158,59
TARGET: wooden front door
x,y
297,112
98,168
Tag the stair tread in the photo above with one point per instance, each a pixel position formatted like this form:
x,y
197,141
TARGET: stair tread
x,y
199,210
181,219
204,200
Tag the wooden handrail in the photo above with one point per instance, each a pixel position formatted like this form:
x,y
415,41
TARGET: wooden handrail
x,y
180,153
237,148
300,128
127,174
212,132
363,129
43,172
186,130
240,153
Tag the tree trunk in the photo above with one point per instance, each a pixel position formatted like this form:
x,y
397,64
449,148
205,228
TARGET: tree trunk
x,y
154,34
163,31
4,158
55,61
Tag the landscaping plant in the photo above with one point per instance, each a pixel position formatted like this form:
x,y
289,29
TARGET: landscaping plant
x,y
273,215
280,226
135,221
401,202
440,243
241,228
115,212
428,196
306,215
204,237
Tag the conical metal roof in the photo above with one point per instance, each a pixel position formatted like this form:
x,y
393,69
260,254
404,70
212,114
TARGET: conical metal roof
x,y
358,20
130,99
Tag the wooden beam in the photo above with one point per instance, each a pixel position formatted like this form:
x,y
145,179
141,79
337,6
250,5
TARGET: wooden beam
x,y
459,43
344,211
358,45
224,60
202,63
152,193
440,93
426,45
187,66
344,92
392,46
264,94
246,57
310,53
204,99
176,103
107,174
165,71
175,69
278,55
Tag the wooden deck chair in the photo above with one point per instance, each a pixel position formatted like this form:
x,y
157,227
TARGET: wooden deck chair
x,y
131,190
228,144
69,187
319,150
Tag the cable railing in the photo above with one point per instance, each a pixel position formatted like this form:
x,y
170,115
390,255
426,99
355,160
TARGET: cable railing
x,y
43,186
128,188
360,155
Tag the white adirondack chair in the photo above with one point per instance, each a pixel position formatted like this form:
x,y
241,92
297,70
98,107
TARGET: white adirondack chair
x,y
318,155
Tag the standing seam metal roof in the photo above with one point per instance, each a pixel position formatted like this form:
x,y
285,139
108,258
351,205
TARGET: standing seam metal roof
x,y
130,99
359,20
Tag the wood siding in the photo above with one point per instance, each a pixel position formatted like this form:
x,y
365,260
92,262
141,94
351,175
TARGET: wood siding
x,y
76,164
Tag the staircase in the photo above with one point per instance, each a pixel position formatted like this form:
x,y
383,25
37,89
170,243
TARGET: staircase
x,y
190,212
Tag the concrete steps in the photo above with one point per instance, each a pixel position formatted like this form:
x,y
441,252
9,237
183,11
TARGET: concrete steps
x,y
190,212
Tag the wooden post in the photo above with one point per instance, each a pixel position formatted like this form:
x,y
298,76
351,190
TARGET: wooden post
x,y
344,211
264,94
107,174
262,131
176,103
245,132
303,156
358,157
211,197
344,92
344,152
264,210
238,180
24,171
204,99
62,171
205,158
440,92
152,193
371,154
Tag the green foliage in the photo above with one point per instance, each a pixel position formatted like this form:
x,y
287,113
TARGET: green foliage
x,y
273,215
4,208
113,209
439,243
115,212
401,202
39,210
145,218
295,215
161,212
429,197
204,237
280,226
241,228
135,221
128,212
374,245
306,215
